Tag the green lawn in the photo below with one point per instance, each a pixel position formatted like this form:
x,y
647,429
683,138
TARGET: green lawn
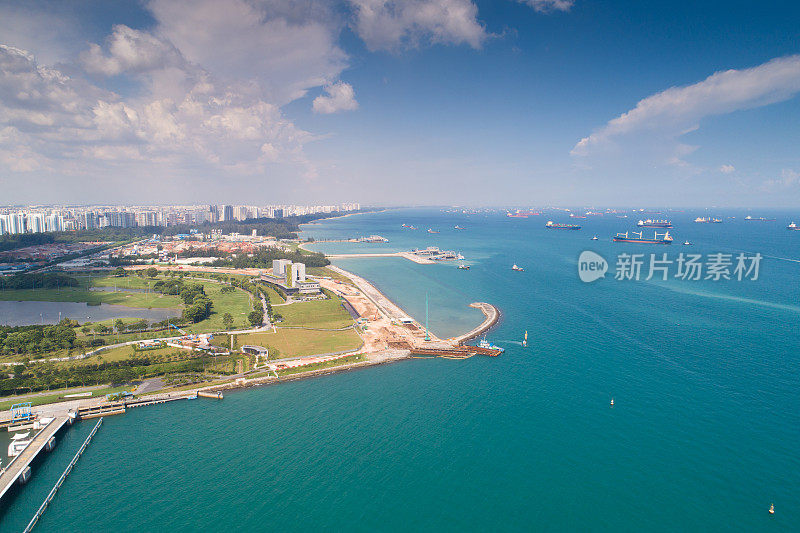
x,y
325,271
326,314
301,342
57,397
237,303
76,294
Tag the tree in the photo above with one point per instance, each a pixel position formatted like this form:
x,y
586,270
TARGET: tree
x,y
120,272
119,325
86,329
227,320
256,317
151,272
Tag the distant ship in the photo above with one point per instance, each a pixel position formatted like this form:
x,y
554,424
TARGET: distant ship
x,y
663,238
409,227
594,238
457,227
551,225
517,268
709,220
650,223
793,226
525,339
462,266
755,219
573,215
687,243
432,231
520,214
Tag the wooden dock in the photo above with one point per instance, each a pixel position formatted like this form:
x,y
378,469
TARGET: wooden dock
x,y
19,468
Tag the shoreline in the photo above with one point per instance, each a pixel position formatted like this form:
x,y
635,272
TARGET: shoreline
x,y
392,335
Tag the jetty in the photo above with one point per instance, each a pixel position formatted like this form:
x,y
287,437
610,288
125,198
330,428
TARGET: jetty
x,y
19,469
492,316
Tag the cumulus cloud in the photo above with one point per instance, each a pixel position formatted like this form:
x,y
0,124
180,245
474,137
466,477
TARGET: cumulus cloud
x,y
393,24
545,6
727,169
671,113
340,97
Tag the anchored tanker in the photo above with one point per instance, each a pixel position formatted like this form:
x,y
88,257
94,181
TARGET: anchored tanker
x,y
636,236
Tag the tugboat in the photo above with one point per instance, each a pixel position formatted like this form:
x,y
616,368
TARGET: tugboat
x,y
594,238
463,266
525,340
612,402
489,346
516,268
772,508
793,226
687,243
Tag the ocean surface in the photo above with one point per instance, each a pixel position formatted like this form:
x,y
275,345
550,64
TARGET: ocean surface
x,y
703,434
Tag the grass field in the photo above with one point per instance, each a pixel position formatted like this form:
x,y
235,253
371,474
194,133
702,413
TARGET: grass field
x,y
237,303
301,342
325,271
326,314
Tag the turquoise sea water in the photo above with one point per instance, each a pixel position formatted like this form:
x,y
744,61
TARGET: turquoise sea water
x,y
703,435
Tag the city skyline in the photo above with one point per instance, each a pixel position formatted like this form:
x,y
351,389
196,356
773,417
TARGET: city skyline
x,y
411,102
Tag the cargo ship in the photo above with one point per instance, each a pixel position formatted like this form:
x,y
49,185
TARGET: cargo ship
x,y
551,225
658,238
432,231
650,223
709,220
755,219
793,226
521,214
409,227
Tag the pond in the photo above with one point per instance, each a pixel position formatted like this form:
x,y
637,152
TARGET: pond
x,y
27,313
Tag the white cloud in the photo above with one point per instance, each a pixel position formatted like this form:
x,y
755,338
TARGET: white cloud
x,y
340,97
727,169
131,50
669,114
266,46
393,24
545,6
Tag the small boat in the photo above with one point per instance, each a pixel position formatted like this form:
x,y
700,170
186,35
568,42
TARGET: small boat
x,y
18,444
612,402
432,231
772,508
687,243
457,227
517,268
525,339
594,238
462,266
793,226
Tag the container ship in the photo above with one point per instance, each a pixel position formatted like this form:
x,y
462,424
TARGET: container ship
x,y
551,225
650,223
658,238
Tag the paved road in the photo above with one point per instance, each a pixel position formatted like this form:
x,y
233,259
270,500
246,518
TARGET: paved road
x,y
150,385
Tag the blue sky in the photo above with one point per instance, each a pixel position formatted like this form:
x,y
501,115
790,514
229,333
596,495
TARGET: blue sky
x,y
504,102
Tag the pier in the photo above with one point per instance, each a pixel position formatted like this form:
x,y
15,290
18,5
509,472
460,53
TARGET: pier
x,y
19,467
61,479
